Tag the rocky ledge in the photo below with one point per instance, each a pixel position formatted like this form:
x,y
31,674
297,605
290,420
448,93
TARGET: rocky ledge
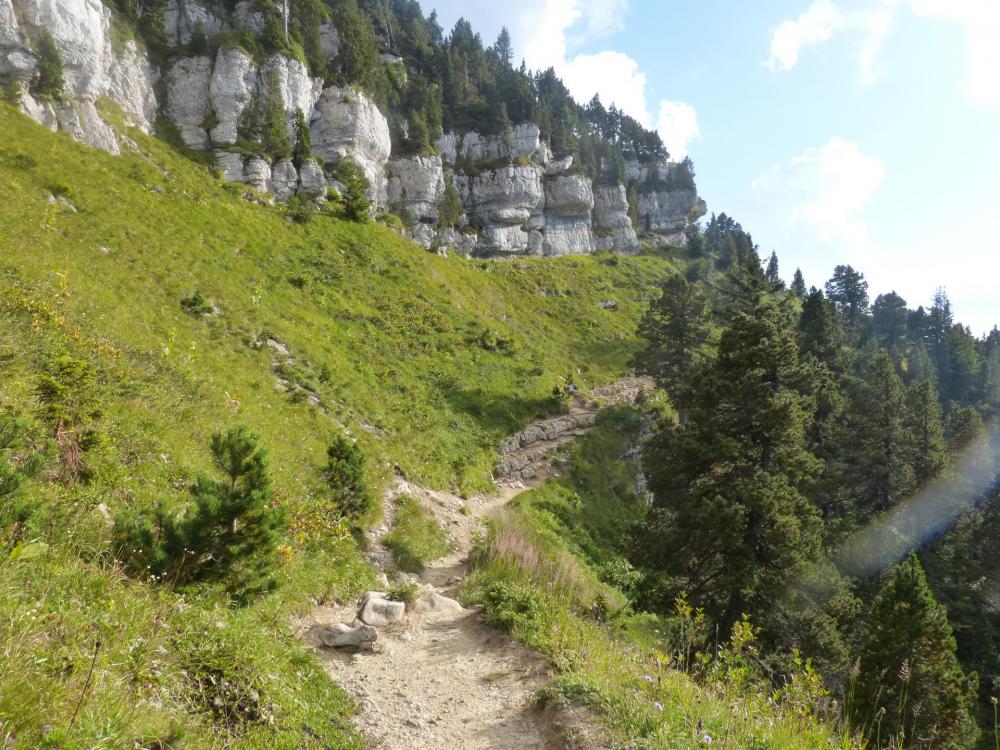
x,y
479,194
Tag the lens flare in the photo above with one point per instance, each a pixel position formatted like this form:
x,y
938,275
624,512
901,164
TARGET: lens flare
x,y
971,480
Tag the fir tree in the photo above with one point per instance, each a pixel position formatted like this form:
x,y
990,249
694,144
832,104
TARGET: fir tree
x,y
67,396
875,441
303,139
924,430
674,331
729,518
345,473
357,206
819,334
772,275
889,320
798,284
504,48
911,685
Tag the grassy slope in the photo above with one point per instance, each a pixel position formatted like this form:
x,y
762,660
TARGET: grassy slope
x,y
544,572
386,337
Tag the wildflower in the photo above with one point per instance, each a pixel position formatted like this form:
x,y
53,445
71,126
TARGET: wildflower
x,y
904,671
707,738
648,677
659,706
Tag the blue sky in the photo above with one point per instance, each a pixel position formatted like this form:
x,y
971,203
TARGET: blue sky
x,y
836,131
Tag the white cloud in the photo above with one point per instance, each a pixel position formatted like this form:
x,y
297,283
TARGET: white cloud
x,y
821,22
981,21
817,25
678,126
817,199
872,25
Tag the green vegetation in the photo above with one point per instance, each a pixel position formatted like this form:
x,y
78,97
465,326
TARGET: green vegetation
x,y
319,332
354,200
47,81
553,571
416,538
229,533
801,419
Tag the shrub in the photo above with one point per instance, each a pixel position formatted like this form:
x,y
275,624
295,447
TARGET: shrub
x,y
511,606
11,93
17,465
47,81
345,473
196,305
228,533
67,399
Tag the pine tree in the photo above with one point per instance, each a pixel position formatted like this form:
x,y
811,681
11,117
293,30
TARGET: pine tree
x,y
799,284
910,684
504,48
875,441
923,427
819,333
729,518
889,319
303,139
345,473
674,331
848,291
772,275
357,206
229,532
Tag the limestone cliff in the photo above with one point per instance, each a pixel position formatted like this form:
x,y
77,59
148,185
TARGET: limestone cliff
x,y
516,197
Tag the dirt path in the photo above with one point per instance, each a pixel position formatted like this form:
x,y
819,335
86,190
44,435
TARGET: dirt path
x,y
446,679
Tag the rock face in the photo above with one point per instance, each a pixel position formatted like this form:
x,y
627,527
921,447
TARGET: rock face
x,y
613,228
94,66
183,18
346,123
415,186
516,197
523,141
569,201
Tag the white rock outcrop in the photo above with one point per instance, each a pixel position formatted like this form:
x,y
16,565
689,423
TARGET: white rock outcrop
x,y
416,185
569,201
667,213
298,90
346,123
183,18
613,228
188,85
94,65
312,181
523,141
284,179
233,82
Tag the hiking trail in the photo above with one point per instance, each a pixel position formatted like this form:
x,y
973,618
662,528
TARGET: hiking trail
x,y
442,677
